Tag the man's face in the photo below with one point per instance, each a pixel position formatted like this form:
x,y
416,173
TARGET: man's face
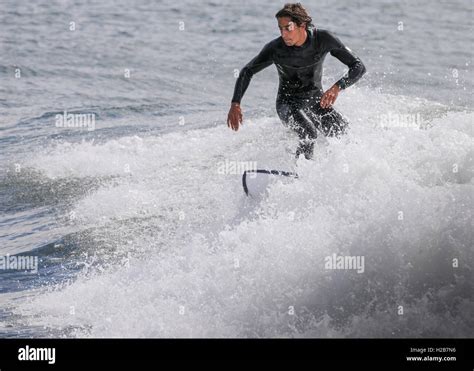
x,y
290,32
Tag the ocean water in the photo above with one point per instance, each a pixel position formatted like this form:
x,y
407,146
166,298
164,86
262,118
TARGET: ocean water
x,y
138,234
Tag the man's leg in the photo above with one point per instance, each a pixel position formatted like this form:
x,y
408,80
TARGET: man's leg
x,y
294,116
315,121
308,120
306,128
331,122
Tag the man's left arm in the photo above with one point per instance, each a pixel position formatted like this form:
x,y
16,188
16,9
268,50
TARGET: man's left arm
x,y
346,56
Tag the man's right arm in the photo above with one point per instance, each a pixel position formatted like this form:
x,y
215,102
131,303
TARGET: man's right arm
x,y
261,61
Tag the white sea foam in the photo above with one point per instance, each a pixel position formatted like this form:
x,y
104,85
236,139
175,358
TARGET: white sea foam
x,y
204,262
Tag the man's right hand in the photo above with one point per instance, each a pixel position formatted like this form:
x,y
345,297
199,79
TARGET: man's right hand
x,y
234,118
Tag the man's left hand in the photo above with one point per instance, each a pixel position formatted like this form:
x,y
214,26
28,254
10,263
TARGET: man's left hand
x,y
330,96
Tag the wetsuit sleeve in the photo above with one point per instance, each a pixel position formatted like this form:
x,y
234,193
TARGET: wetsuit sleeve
x,y
345,55
261,61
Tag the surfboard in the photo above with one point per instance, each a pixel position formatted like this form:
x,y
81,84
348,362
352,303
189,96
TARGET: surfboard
x,y
256,182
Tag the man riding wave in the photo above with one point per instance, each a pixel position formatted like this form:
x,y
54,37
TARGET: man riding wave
x,y
298,55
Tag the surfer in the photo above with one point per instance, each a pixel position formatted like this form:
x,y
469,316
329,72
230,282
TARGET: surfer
x,y
298,55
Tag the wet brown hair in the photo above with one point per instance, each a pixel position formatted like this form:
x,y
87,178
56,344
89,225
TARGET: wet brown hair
x,y
297,13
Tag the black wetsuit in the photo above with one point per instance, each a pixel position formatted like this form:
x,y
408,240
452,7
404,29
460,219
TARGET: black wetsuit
x,y
300,89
